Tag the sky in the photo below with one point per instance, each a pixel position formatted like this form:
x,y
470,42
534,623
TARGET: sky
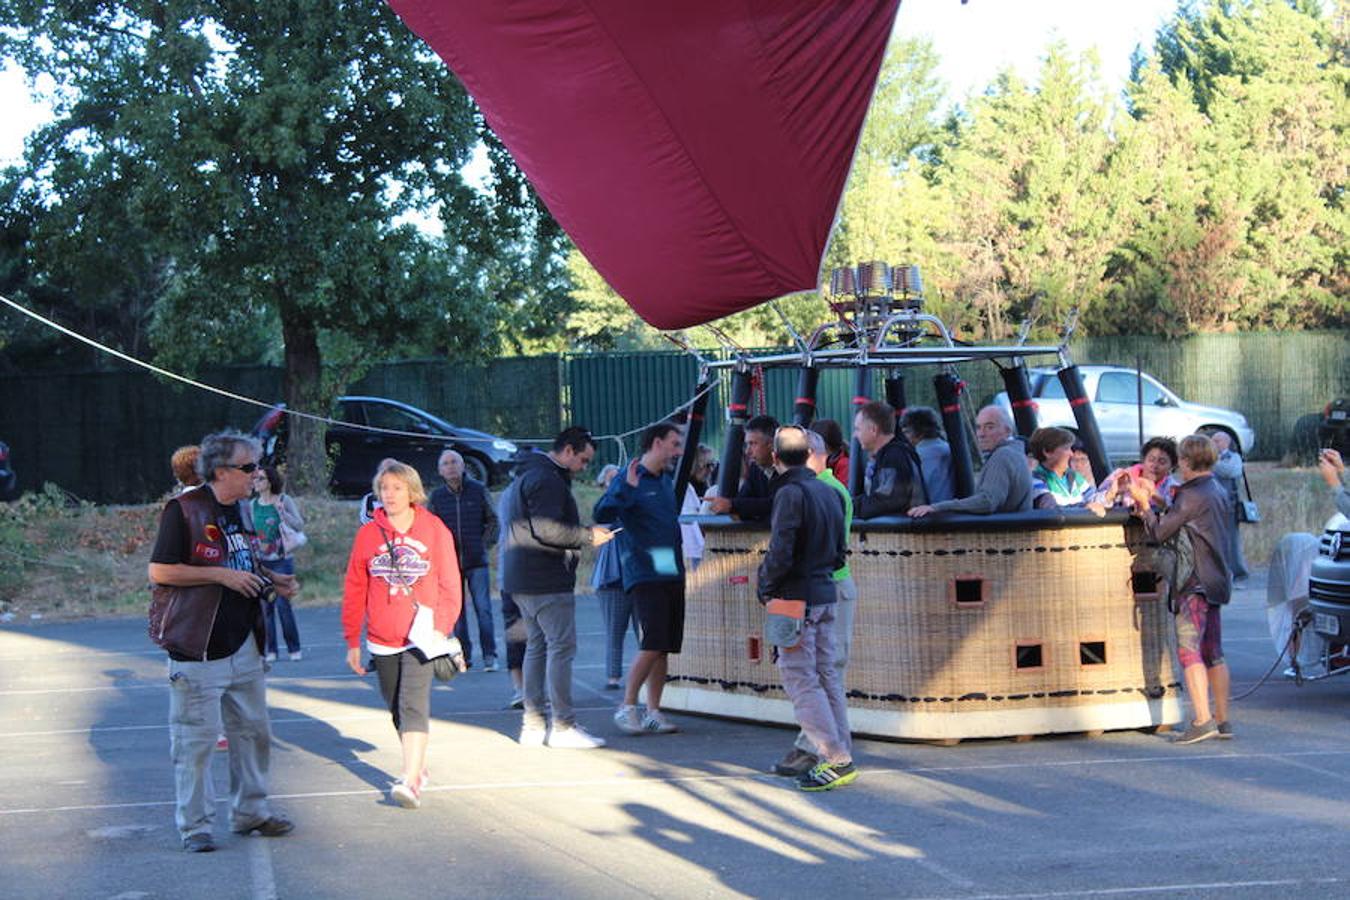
x,y
974,40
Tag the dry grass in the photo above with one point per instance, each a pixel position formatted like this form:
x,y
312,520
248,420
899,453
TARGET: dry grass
x,y
72,562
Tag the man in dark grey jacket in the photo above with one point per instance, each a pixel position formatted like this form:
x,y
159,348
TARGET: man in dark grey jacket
x,y
1004,484
894,479
807,544
1200,505
544,538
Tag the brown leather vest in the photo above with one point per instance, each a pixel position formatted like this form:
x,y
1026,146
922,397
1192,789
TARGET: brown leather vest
x,y
181,618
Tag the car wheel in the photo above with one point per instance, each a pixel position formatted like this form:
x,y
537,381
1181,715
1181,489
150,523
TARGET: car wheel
x,y
476,469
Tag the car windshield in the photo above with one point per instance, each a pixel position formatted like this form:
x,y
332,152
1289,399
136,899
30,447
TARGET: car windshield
x,y
379,415
1122,387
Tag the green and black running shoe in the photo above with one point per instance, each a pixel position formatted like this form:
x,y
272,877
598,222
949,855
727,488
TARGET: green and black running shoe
x,y
826,776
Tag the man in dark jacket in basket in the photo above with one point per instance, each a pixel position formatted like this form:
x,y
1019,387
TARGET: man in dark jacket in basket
x,y
754,499
207,612
466,509
807,544
894,475
1200,505
544,538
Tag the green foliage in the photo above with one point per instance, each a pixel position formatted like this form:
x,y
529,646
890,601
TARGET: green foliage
x,y
1211,199
231,180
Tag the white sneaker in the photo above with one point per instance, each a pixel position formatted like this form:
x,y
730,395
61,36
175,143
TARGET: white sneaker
x,y
406,796
271,657
628,720
296,656
654,722
532,737
574,738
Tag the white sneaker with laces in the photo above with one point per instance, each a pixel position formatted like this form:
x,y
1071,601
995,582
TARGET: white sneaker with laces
x,y
655,722
628,720
574,738
533,737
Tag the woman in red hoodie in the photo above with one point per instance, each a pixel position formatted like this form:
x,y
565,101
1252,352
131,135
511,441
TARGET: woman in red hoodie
x,y
402,570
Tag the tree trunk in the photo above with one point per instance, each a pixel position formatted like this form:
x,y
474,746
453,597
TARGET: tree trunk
x,y
306,455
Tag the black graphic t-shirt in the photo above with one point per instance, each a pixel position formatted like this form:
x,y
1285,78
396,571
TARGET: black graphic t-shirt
x,y
237,613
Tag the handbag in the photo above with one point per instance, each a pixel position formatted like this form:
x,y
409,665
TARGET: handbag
x,y
1247,510
292,539
783,622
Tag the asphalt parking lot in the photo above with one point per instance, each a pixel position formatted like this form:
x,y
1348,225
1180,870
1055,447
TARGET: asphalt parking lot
x,y
86,794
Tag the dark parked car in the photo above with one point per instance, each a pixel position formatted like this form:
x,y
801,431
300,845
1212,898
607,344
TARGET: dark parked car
x,y
9,481
358,450
1329,428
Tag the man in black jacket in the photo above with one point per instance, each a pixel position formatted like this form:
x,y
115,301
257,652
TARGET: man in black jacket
x,y
466,509
544,538
754,500
894,481
807,544
1200,505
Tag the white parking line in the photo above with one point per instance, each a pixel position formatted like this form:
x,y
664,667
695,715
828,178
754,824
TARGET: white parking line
x,y
260,869
748,775
1159,889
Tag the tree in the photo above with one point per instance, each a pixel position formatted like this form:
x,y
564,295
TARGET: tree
x,y
261,155
1257,228
1031,197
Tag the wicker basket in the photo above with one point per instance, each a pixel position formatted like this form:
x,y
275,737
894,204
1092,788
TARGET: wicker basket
x,y
961,633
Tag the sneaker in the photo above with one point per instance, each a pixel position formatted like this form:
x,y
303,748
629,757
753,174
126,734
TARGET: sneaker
x,y
1197,733
489,664
272,826
1226,731
296,656
533,737
827,776
574,738
271,656
517,701
201,842
628,720
222,743
613,685
795,764
408,796
654,722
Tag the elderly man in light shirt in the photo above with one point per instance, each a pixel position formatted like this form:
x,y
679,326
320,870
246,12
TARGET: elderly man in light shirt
x,y
1004,484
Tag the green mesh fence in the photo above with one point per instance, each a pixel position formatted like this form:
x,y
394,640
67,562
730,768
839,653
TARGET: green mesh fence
x,y
107,436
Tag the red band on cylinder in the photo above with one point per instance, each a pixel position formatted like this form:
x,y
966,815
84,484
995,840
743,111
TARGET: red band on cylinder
x,y
955,407
1023,404
737,407
861,401
805,401
1078,401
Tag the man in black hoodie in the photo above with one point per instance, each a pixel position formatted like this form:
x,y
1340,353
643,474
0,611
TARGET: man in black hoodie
x,y
544,538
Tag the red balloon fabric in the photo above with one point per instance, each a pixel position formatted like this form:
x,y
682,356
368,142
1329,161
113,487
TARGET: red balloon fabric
x,y
695,151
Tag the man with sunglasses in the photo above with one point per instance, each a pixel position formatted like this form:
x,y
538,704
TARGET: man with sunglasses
x,y
207,604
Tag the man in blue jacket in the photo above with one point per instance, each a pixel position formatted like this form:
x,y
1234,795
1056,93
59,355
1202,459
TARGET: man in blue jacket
x,y
652,561
466,509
